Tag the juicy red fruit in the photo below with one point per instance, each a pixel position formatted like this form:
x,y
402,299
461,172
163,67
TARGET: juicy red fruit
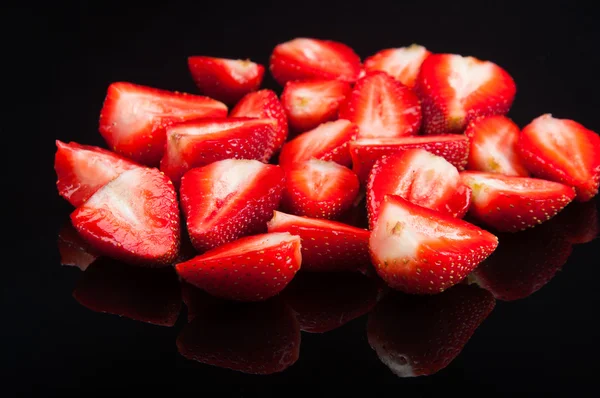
x,y
402,63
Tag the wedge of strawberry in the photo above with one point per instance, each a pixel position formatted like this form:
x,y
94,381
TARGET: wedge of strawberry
x,y
223,79
133,218
578,222
253,268
402,63
562,150
308,103
83,169
134,117
510,204
306,58
382,107
73,250
454,90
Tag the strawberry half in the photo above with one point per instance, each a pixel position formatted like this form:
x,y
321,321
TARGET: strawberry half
x,y
403,63
314,59
73,250
253,268
562,150
226,80
229,199
382,107
422,251
327,246
510,204
133,218
454,90
134,118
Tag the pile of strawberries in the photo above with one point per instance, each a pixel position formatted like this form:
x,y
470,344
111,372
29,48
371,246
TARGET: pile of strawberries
x,y
263,189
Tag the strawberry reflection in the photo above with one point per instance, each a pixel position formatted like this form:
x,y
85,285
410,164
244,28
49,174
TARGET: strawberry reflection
x,y
578,222
74,251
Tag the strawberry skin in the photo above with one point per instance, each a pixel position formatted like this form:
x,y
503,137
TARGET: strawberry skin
x,y
133,118
403,63
562,150
73,250
253,268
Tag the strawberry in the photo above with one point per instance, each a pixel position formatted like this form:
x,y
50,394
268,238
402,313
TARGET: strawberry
x,y
562,150
226,80
83,169
418,250
327,246
73,249
314,59
493,146
421,178
421,335
134,118
319,189
403,63
578,222
456,89
382,107
253,268
133,218
229,199
308,103
510,204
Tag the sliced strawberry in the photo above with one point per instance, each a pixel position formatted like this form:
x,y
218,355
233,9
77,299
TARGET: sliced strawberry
x,y
319,189
382,107
327,246
83,169
133,218
314,59
578,222
562,150
456,89
329,141
418,250
253,268
510,204
74,251
134,117
493,146
226,80
308,103
402,63
229,199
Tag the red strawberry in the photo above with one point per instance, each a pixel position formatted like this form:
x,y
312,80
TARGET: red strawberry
x,y
403,63
229,199
456,89
510,204
134,118
308,103
422,251
382,107
327,246
223,79
253,268
562,150
578,222
133,218
314,59
421,178
421,335
493,148
319,189
73,249
83,169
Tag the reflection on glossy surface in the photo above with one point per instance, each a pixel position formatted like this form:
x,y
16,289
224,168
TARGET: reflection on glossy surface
x,y
72,248
578,222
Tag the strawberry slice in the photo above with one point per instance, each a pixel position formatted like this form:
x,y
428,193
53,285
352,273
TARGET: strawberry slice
x,y
133,218
319,189
403,63
309,103
493,146
382,107
422,251
329,141
578,222
327,246
562,150
253,268
223,79
314,59
510,204
421,178
83,169
74,251
456,89
134,117
365,152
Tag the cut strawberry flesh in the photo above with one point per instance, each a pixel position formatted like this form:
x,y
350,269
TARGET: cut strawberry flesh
x,y
402,63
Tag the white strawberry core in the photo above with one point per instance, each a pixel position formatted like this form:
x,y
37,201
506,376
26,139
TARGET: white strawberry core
x,y
241,70
407,59
234,175
467,74
91,168
485,185
399,364
320,182
495,146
